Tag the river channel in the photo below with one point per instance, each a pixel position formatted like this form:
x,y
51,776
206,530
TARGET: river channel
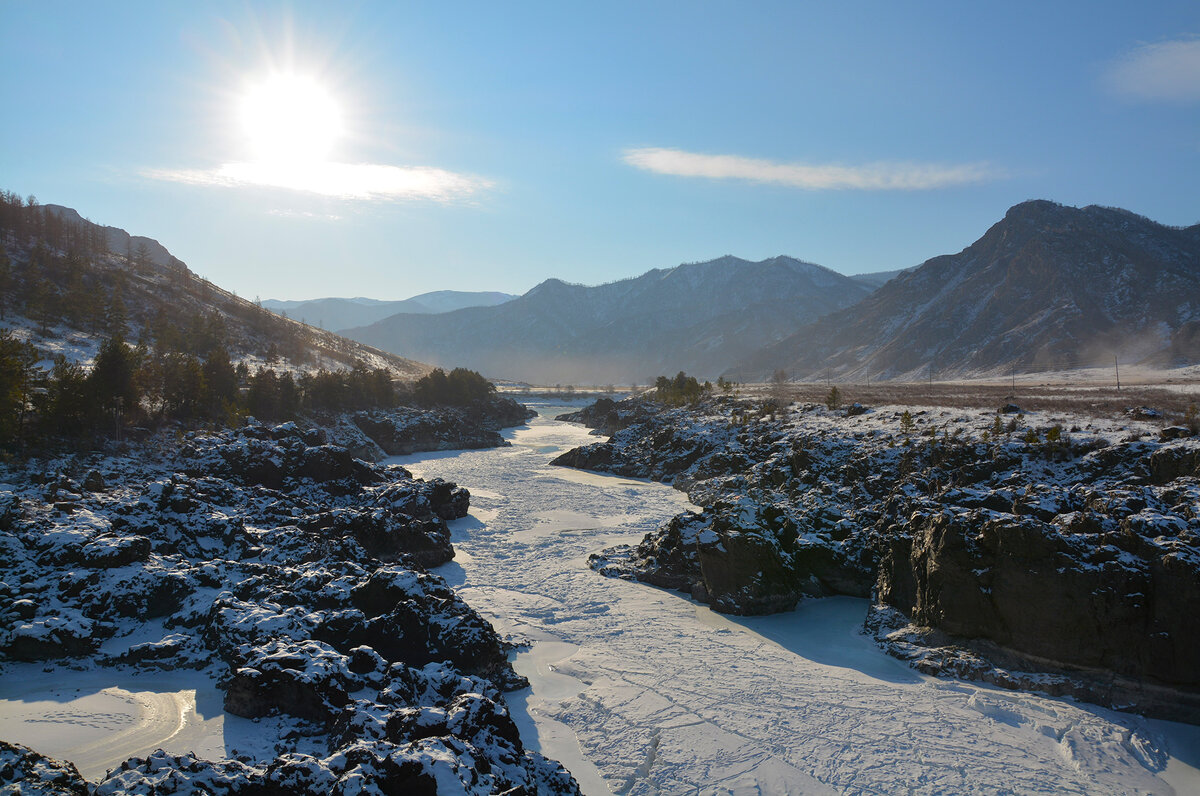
x,y
638,690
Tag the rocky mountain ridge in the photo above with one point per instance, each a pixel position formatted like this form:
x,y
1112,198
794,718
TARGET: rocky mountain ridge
x,y
698,317
343,313
1047,287
70,283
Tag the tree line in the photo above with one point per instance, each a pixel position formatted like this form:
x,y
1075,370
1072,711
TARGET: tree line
x,y
135,386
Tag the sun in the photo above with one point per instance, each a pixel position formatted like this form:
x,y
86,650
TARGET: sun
x,y
290,118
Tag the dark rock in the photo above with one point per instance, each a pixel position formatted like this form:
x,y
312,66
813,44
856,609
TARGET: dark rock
x,y
157,652
94,481
108,551
50,638
1174,432
388,535
607,416
330,462
25,609
976,576
855,409
1009,409
161,773
599,456
147,594
426,499
23,770
405,430
306,679
1168,463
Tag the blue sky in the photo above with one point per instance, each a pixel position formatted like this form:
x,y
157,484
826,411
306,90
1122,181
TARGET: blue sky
x,y
490,146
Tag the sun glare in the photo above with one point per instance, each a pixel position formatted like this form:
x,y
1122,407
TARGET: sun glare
x,y
290,118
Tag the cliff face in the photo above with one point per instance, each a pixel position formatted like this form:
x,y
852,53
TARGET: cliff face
x,y
1086,588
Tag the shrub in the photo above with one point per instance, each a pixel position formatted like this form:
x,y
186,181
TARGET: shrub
x,y
683,389
458,388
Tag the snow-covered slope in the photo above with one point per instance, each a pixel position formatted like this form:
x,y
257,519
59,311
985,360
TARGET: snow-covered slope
x,y
70,283
1047,287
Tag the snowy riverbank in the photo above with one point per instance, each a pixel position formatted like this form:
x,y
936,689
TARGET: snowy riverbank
x,y
639,690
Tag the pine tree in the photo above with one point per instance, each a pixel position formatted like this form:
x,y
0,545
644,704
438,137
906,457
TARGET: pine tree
x,y
113,380
17,378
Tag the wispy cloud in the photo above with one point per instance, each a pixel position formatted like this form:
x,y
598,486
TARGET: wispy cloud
x,y
1166,71
341,180
884,176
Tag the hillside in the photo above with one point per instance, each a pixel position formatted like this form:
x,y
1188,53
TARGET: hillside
x,y
343,313
67,283
1047,287
697,317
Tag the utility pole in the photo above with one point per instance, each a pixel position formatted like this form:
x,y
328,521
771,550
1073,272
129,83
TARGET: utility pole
x,y
1117,368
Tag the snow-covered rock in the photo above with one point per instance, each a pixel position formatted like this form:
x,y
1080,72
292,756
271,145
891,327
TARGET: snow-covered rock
x,y
294,574
1068,549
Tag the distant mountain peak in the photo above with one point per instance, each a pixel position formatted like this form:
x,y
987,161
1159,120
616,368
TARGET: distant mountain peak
x,y
698,317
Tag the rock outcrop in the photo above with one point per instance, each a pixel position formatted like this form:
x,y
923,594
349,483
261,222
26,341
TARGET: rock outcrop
x,y
293,573
1069,551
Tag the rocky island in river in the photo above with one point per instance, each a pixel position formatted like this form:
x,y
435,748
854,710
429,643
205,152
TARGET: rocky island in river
x,y
1046,551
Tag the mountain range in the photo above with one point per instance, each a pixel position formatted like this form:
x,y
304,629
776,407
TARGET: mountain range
x,y
1047,287
342,313
698,317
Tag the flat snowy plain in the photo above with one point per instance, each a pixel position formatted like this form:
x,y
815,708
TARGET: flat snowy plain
x,y
643,691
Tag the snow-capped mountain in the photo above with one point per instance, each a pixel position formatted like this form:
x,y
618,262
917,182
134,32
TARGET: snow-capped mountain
x,y
698,317
1047,287
343,313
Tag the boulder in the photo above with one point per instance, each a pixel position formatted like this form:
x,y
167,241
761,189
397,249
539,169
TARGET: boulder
x,y
23,770
307,679
94,481
110,550
1168,463
49,638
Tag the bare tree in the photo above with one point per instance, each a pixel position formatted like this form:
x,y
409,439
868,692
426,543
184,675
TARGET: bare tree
x,y
779,387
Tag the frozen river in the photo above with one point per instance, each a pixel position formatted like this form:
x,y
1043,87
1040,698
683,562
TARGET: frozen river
x,y
642,691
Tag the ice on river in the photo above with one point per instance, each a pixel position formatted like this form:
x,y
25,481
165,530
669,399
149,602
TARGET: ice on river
x,y
641,691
